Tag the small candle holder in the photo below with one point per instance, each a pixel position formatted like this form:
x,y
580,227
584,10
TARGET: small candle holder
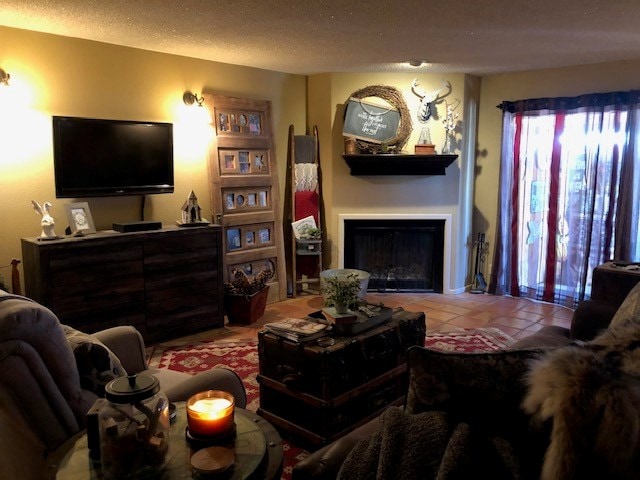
x,y
210,419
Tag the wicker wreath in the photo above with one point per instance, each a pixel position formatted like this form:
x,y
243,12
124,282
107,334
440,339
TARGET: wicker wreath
x,y
394,97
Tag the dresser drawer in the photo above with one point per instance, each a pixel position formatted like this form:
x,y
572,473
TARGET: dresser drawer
x,y
178,316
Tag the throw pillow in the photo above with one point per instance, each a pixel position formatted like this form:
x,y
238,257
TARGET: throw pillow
x,y
97,365
629,311
482,389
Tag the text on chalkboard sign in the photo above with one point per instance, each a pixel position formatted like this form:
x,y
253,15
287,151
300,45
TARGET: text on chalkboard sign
x,y
370,122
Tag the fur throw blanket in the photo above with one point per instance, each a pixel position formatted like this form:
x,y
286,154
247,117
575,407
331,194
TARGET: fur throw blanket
x,y
591,393
426,446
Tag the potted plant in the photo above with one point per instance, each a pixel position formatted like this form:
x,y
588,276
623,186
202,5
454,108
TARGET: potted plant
x,y
310,233
341,292
310,242
245,299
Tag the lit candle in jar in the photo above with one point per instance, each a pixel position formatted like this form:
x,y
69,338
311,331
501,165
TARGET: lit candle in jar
x,y
210,413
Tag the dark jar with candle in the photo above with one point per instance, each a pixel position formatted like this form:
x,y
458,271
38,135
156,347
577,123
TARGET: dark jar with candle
x,y
134,427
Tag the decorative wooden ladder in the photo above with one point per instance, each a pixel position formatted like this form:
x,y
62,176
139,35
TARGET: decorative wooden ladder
x,y
303,197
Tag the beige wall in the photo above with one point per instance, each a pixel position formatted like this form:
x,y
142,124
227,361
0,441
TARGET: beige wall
x,y
346,194
53,75
535,84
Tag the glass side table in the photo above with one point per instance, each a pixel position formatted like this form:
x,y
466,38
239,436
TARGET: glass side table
x,y
258,453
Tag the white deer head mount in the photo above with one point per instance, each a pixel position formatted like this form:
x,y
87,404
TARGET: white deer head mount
x,y
428,100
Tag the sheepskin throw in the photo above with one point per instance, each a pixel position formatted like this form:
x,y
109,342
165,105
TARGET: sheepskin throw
x,y
591,393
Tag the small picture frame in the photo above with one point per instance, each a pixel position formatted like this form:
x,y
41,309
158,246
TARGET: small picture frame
x,y
233,239
230,201
254,124
265,235
229,161
79,217
224,122
258,162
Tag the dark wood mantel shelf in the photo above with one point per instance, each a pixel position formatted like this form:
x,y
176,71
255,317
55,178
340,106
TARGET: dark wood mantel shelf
x,y
398,164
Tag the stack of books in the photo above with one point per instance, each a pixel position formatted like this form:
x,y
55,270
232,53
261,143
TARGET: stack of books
x,y
355,321
336,318
297,329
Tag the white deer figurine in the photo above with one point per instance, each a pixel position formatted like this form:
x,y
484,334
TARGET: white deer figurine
x,y
47,221
428,99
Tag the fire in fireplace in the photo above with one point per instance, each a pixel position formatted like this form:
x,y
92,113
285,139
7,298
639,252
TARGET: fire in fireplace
x,y
400,255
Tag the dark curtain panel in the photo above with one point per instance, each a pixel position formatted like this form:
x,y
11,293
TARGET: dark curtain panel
x,y
569,192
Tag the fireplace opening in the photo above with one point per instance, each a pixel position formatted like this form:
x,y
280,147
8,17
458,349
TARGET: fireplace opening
x,y
400,255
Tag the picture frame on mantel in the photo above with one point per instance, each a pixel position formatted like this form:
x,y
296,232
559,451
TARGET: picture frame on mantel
x,y
79,217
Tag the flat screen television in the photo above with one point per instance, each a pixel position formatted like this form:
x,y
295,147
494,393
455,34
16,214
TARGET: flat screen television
x,y
96,158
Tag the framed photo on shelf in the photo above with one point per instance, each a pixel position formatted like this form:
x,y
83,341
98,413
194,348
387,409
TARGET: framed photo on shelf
x,y
79,217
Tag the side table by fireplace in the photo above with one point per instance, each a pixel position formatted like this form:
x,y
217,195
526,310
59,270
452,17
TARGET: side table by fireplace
x,y
258,452
319,393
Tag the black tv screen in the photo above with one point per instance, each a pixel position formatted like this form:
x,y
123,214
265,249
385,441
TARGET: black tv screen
x,y
95,158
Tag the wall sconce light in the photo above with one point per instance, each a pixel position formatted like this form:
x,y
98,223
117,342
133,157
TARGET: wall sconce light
x,y
4,77
190,98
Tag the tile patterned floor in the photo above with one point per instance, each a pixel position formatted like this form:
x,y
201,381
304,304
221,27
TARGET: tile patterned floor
x,y
516,317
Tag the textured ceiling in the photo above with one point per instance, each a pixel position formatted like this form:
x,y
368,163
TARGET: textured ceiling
x,y
304,37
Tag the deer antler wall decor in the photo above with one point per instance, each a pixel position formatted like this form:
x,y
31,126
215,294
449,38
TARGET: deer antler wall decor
x,y
428,99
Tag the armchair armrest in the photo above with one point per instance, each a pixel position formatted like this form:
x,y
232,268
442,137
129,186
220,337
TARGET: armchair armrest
x,y
590,318
324,464
127,344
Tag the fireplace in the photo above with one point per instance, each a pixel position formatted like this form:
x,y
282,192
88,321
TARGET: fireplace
x,y
400,254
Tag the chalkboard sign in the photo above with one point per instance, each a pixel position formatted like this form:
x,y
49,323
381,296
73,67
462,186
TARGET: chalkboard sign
x,y
369,122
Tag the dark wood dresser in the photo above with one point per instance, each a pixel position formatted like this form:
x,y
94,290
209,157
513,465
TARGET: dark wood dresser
x,y
166,282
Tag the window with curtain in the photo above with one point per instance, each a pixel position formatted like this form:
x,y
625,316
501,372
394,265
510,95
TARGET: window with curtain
x,y
569,194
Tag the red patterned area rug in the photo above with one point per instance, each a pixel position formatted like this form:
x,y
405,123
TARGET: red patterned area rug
x,y
242,358
468,341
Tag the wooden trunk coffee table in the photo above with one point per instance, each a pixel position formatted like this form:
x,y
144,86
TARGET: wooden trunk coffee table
x,y
319,393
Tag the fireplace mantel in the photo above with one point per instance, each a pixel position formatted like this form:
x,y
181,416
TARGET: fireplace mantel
x,y
398,164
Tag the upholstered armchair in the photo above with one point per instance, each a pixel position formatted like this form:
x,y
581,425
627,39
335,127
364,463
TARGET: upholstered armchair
x,y
50,377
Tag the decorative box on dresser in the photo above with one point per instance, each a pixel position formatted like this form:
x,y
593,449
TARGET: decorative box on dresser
x,y
166,282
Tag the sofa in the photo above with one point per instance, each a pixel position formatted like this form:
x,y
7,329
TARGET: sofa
x,y
563,403
51,375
